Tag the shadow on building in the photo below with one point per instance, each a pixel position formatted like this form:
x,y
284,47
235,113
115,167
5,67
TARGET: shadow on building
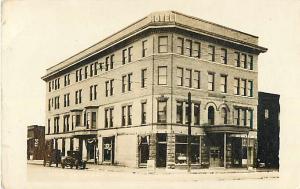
x,y
35,142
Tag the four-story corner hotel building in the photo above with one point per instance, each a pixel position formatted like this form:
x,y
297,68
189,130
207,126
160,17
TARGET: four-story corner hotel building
x,y
124,100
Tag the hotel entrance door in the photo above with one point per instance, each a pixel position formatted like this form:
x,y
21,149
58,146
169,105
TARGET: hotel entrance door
x,y
214,157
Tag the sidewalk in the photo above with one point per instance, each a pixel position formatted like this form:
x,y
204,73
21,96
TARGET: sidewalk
x,y
115,168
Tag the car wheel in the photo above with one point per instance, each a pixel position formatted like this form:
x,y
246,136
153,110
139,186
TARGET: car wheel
x,y
83,166
44,163
62,165
50,163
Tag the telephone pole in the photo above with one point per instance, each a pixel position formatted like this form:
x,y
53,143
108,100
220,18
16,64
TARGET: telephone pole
x,y
189,131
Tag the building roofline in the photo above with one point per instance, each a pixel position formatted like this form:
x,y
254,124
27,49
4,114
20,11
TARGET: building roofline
x,y
166,18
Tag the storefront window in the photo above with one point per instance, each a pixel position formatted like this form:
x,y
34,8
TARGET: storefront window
x,y
181,147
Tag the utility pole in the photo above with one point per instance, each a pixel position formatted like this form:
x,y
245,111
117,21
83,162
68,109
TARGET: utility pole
x,y
189,131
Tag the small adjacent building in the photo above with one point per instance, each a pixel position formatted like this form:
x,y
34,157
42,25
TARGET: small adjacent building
x,y
35,142
124,100
268,129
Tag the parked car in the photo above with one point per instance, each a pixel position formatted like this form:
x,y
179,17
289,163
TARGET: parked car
x,y
52,156
72,159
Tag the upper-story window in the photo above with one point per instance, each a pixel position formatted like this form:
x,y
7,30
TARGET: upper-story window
x,y
188,78
143,78
127,55
236,86
243,87
197,79
180,44
127,82
250,118
224,115
211,53
78,97
109,87
197,50
250,88
224,56
211,115
223,84
188,47
211,81
49,87
86,72
163,44
109,62
56,102
108,119
250,62
93,92
237,59
79,75
92,69
244,61
143,112
144,48
67,79
179,112
196,114
162,112
67,100
179,76
162,75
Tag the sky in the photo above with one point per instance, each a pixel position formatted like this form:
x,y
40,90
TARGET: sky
x,y
40,34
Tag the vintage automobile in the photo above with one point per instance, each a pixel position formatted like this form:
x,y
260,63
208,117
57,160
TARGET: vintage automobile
x,y
52,156
72,159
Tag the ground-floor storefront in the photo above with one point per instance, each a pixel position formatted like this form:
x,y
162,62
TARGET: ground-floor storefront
x,y
210,149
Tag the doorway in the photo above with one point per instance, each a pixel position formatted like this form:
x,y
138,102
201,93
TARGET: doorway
x,y
161,150
108,149
214,156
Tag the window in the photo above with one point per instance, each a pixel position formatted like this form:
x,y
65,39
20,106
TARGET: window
x,y
123,115
129,115
224,115
93,92
144,48
181,149
187,113
107,63
129,81
180,42
95,68
162,75
223,84
143,78
49,104
108,117
188,78
66,123
91,70
211,53
197,79
179,76
236,86
109,88
56,102
211,115
162,112
197,50
124,56
163,44
250,88
124,83
243,115
66,80
143,112
224,56
244,61
112,61
80,74
236,116
49,87
211,81
77,121
85,72
49,125
129,54
237,59
188,47
250,119
78,96
250,62
243,87
196,114
56,125
179,112
67,100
